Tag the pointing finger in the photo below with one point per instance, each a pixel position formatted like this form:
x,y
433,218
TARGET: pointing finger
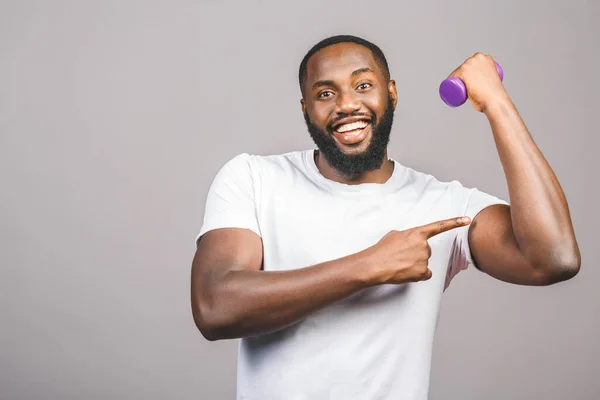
x,y
435,228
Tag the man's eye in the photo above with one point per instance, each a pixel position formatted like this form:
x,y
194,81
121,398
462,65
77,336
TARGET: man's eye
x,y
364,86
325,94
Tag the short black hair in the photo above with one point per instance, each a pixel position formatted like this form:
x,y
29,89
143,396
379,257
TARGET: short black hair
x,y
377,53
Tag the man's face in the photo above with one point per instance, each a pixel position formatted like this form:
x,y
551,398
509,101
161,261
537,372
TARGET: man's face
x,y
348,106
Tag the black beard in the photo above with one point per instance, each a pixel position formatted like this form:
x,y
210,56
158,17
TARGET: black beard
x,y
354,165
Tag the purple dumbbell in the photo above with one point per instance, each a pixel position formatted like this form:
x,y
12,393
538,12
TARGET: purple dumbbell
x,y
454,92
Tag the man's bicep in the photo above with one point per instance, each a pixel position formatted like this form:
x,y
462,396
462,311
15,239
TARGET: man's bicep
x,y
220,252
228,249
495,250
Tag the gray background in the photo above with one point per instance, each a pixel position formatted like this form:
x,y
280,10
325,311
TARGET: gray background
x,y
116,115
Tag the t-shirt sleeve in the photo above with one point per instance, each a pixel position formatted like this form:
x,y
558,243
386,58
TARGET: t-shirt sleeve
x,y
460,257
230,202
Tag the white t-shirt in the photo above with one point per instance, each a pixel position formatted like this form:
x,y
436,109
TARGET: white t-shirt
x,y
375,344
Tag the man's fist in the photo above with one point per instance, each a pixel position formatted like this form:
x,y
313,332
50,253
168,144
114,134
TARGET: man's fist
x,y
482,81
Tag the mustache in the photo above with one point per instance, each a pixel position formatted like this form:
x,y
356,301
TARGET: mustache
x,y
355,114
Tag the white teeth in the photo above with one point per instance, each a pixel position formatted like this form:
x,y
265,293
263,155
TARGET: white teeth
x,y
352,126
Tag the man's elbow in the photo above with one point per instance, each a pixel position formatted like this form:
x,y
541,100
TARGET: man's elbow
x,y
211,321
208,331
562,267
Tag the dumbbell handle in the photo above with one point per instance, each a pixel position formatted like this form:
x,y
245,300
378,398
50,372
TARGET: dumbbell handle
x,y
454,92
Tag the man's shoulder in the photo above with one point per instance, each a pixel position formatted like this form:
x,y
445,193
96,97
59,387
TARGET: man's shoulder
x,y
424,179
453,190
273,162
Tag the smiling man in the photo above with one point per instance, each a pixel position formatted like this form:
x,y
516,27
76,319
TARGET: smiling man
x,y
330,263
353,139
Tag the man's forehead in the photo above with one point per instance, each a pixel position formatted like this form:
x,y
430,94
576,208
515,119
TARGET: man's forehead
x,y
339,59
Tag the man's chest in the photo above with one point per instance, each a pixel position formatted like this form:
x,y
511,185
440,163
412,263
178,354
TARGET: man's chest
x,y
303,227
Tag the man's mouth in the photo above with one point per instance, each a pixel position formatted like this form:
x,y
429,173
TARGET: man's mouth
x,y
353,132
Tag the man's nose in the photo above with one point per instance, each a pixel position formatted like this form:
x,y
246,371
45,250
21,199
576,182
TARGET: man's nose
x,y
347,103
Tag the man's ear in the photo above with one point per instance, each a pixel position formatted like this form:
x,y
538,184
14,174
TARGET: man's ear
x,y
392,91
303,105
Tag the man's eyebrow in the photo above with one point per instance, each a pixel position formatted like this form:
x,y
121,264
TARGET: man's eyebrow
x,y
359,71
319,84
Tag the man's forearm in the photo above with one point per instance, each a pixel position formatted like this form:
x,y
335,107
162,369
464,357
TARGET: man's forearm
x,y
248,302
539,210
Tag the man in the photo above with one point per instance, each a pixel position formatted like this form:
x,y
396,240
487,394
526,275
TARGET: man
x,y
330,264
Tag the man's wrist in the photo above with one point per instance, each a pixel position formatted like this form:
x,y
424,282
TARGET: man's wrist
x,y
363,268
498,106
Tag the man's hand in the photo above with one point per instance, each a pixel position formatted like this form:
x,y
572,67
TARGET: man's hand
x,y
403,256
482,81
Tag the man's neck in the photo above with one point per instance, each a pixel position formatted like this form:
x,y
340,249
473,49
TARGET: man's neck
x,y
380,175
